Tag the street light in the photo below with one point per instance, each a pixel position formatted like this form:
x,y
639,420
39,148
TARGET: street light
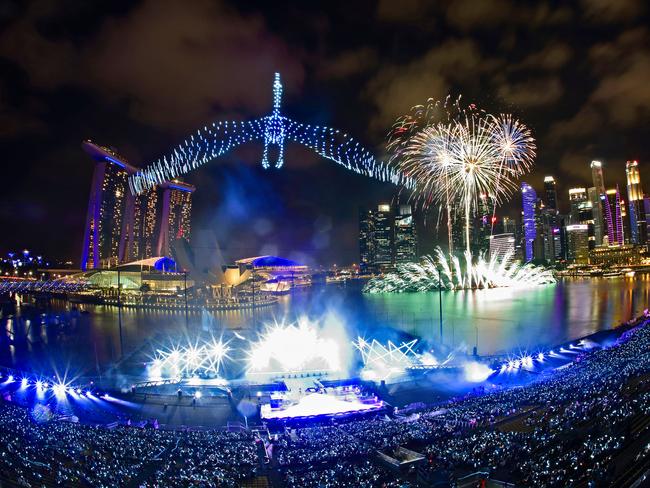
x,y
440,298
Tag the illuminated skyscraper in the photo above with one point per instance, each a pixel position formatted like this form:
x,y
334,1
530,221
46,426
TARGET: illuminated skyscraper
x,y
528,203
366,240
175,218
550,193
502,245
141,237
597,211
635,203
405,239
121,227
597,176
577,243
483,228
576,197
611,203
383,235
104,237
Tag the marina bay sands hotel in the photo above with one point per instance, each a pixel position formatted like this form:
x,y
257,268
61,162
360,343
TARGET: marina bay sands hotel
x,y
122,227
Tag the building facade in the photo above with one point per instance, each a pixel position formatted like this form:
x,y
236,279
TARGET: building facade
x,y
366,240
597,177
577,243
613,217
597,214
550,193
405,235
502,246
176,212
121,227
528,204
104,238
635,208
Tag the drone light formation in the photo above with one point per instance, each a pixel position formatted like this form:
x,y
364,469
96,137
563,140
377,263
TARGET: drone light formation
x,y
273,130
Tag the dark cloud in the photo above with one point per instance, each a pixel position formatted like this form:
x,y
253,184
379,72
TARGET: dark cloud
x,y
349,63
402,11
488,14
175,63
620,97
551,57
534,92
438,72
609,11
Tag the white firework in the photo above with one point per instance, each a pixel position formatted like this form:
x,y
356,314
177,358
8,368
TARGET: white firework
x,y
450,274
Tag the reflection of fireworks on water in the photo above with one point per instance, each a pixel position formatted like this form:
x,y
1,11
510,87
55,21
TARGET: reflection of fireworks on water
x,y
284,348
482,273
454,155
206,359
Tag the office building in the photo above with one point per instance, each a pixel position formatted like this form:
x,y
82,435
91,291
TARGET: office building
x,y
597,214
576,197
387,236
550,193
502,246
548,232
383,237
577,236
636,211
366,240
509,225
483,225
405,236
585,216
597,177
528,204
613,218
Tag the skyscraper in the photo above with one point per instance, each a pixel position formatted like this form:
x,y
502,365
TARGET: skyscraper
x,y
141,228
611,202
483,225
383,235
121,227
366,240
576,197
104,239
550,193
597,211
577,243
405,237
597,176
635,203
175,219
502,246
528,203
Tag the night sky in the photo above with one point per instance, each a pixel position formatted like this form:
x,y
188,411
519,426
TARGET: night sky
x,y
140,76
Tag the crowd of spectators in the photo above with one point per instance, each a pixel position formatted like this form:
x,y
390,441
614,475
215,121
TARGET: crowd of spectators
x,y
568,427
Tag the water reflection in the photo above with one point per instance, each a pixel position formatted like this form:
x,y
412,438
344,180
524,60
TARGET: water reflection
x,y
501,319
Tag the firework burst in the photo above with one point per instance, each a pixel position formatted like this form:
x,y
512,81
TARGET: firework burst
x,y
453,155
432,273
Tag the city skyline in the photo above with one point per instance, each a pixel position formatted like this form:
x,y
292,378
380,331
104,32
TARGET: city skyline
x,y
80,93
